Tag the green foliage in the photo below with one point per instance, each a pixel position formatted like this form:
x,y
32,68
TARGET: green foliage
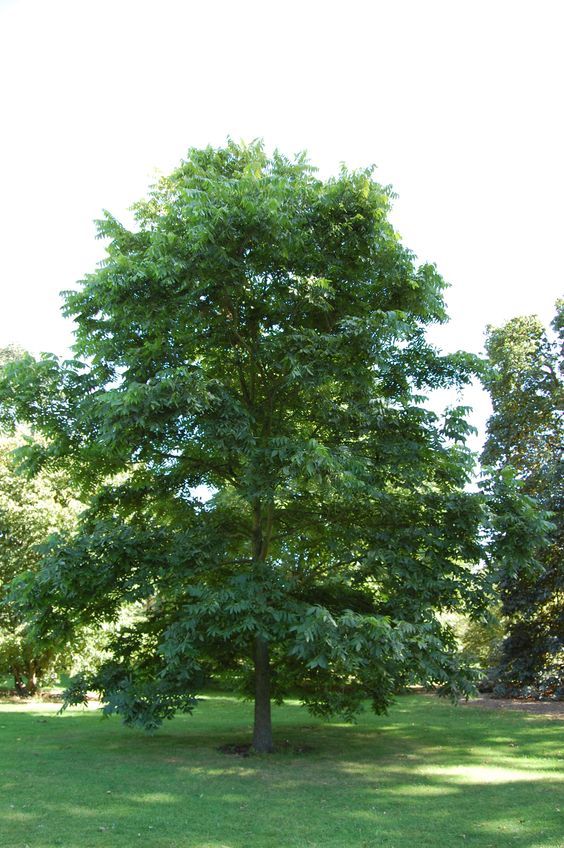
x,y
10,353
525,433
480,639
30,510
525,383
261,333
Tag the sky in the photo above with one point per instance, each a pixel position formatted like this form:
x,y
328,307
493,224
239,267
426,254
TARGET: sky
x,y
458,104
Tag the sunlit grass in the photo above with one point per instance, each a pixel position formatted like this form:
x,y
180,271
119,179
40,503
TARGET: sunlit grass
x,y
428,774
487,774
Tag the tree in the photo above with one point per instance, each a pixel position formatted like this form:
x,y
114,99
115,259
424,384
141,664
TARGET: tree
x,y
9,353
259,333
526,433
30,510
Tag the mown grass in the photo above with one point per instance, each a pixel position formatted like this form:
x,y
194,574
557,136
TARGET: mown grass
x,y
428,774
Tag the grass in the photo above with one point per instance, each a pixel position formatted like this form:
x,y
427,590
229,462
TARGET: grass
x,y
427,774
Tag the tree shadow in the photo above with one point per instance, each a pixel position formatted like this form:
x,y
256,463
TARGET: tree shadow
x,y
418,775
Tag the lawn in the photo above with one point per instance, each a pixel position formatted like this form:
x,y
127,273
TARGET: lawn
x,y
428,774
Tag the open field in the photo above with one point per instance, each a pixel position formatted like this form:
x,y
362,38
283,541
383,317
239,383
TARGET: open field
x,y
428,774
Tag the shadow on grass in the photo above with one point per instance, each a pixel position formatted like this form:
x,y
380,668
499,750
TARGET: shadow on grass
x,y
427,774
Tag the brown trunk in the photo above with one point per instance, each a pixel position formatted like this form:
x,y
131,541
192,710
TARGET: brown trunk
x,y
262,731
19,684
32,680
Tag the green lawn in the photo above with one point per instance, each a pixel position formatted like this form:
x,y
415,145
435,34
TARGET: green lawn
x,y
428,774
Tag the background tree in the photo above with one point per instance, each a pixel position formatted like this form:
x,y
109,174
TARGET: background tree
x,y
9,353
259,333
30,510
480,639
526,433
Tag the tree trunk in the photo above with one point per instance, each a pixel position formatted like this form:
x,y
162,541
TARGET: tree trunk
x,y
262,731
32,679
19,684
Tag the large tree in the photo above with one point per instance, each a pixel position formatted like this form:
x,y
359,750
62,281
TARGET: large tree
x,y
526,433
30,510
259,337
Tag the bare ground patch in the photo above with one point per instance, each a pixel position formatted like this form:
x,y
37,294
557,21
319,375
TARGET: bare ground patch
x,y
548,709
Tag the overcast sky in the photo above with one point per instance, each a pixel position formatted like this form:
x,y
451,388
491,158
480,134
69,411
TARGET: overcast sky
x,y
459,104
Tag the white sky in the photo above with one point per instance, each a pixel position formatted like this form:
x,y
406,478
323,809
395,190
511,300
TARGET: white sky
x,y
458,103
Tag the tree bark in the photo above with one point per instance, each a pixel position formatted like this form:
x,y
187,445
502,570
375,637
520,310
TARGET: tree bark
x,y
19,684
32,679
262,731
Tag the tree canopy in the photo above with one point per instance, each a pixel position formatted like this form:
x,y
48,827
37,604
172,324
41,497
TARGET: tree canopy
x,y
259,336
30,510
526,432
